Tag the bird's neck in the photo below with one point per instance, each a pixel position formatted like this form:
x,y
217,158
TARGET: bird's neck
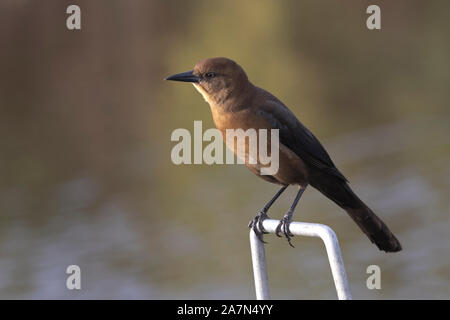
x,y
235,100
224,113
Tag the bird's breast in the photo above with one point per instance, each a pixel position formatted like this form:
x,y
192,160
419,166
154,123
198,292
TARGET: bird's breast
x,y
291,168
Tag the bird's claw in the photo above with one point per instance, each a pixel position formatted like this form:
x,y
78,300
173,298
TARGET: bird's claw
x,y
283,226
256,225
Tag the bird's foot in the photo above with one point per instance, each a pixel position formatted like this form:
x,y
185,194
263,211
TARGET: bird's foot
x,y
283,226
256,225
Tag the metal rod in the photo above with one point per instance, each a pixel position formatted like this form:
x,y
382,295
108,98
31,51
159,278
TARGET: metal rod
x,y
300,229
259,267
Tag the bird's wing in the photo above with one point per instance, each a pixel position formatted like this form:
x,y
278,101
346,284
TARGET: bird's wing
x,y
297,137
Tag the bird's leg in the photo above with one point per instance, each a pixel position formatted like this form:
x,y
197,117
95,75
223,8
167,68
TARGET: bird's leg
x,y
256,223
287,218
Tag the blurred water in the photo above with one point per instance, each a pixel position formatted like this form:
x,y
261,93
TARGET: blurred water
x,y
211,259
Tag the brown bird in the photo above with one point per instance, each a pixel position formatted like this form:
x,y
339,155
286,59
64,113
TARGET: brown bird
x,y
237,104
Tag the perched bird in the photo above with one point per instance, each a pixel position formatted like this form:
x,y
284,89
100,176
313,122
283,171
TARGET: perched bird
x,y
237,104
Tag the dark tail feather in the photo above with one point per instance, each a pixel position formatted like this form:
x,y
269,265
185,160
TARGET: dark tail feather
x,y
374,228
370,224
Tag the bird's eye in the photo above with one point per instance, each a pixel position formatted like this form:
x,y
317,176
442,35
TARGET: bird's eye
x,y
210,74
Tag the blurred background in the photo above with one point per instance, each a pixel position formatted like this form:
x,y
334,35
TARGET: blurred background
x,y
85,123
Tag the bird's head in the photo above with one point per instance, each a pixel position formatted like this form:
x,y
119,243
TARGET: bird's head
x,y
217,79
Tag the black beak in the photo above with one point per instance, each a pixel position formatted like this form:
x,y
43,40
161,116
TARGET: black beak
x,y
185,77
